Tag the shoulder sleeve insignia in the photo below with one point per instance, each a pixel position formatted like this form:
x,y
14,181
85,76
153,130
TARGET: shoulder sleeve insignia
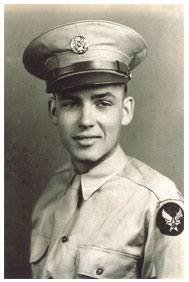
x,y
170,219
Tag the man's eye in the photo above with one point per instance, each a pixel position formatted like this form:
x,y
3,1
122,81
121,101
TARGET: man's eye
x,y
104,104
70,104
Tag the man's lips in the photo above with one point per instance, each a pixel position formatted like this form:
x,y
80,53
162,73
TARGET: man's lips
x,y
86,140
86,137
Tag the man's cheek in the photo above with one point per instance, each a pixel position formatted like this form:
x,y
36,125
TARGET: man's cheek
x,y
114,122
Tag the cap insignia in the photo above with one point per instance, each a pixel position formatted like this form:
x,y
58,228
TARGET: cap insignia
x,y
79,44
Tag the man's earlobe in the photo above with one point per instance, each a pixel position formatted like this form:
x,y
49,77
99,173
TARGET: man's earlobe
x,y
52,110
128,110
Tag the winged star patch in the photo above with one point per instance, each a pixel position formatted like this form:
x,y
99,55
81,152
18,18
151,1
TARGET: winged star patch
x,y
170,219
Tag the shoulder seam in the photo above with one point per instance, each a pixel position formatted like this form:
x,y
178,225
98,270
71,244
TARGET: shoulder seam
x,y
142,186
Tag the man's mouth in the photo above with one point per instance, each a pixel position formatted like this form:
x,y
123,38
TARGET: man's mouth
x,y
86,140
87,137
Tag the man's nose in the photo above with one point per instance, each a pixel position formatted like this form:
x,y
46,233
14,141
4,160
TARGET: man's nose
x,y
86,116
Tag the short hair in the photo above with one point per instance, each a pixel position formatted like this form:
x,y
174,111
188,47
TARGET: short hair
x,y
125,89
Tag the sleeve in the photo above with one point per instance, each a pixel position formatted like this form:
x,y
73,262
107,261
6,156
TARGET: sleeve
x,y
164,250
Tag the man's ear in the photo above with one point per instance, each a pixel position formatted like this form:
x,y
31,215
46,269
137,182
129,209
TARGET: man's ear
x,y
128,110
52,110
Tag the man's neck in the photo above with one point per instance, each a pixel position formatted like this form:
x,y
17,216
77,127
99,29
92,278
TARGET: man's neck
x,y
85,166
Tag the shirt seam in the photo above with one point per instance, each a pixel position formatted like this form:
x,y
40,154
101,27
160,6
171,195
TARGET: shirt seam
x,y
159,201
141,186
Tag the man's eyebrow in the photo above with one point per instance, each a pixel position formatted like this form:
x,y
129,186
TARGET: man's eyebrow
x,y
68,97
103,95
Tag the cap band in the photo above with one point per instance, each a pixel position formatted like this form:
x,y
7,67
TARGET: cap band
x,y
88,72
87,66
80,79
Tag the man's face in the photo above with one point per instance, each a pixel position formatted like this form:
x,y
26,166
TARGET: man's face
x,y
90,121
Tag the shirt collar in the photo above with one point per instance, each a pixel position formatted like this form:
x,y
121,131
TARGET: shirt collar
x,y
97,176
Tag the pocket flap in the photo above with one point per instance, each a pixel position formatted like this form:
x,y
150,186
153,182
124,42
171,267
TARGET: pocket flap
x,y
102,263
39,246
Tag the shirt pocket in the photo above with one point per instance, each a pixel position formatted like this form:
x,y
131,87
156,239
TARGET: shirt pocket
x,y
38,252
94,262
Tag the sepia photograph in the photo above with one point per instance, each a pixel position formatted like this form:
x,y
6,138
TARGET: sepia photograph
x,y
94,141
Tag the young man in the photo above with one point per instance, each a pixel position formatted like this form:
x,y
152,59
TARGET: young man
x,y
105,215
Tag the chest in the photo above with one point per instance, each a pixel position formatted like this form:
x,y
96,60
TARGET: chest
x,y
103,238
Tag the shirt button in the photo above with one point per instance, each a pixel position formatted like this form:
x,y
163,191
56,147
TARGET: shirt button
x,y
64,239
99,271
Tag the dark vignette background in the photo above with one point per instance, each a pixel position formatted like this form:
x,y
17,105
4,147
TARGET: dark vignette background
x,y
32,146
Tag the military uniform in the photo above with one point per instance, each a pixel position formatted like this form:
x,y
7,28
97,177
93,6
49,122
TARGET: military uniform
x,y
121,219
114,233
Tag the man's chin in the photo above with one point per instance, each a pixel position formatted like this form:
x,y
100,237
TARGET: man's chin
x,y
88,158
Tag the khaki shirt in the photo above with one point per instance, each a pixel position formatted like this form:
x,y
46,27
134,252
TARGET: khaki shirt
x,y
121,229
